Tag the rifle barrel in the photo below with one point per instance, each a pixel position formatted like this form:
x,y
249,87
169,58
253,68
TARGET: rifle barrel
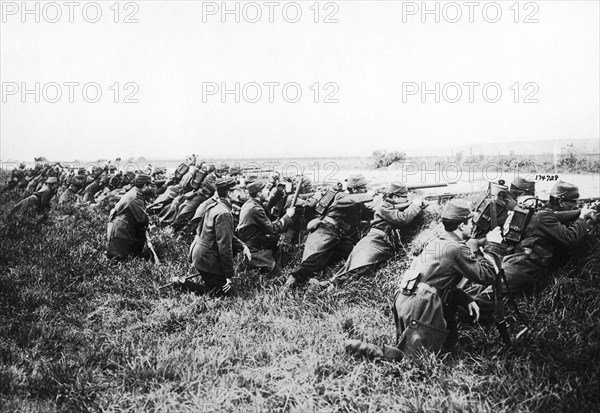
x,y
425,186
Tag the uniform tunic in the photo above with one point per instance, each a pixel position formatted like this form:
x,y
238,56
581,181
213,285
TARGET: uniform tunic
x,y
335,235
544,236
377,246
39,201
127,225
256,230
213,249
420,317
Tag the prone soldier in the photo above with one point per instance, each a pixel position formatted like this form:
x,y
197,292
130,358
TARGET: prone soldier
x,y
391,212
542,237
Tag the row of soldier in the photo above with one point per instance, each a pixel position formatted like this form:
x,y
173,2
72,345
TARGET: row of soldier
x,y
471,247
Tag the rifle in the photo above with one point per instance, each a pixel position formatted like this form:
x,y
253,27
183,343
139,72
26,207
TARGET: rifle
x,y
297,192
499,315
189,277
151,247
292,205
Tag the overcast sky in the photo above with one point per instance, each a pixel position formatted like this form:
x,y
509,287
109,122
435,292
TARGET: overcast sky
x,y
370,65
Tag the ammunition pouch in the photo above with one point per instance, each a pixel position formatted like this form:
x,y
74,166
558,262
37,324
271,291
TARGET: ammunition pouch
x,y
181,170
325,202
516,224
198,178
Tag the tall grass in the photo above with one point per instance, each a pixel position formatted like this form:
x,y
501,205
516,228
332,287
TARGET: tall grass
x,y
80,333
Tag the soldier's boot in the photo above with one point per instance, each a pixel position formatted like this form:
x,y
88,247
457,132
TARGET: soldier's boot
x,y
363,348
392,353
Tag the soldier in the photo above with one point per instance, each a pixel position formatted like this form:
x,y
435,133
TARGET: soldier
x,y
215,244
543,238
425,305
194,198
332,236
16,176
128,221
91,190
379,244
40,200
257,231
70,195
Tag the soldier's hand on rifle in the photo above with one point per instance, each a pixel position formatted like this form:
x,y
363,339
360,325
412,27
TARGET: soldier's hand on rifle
x,y
290,212
495,235
247,254
473,311
589,214
227,285
421,203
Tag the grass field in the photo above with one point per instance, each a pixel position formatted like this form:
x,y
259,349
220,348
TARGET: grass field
x,y
79,333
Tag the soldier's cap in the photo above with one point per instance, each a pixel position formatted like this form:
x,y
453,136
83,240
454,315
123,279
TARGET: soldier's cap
x,y
564,190
356,180
130,175
457,210
523,186
225,184
142,179
397,188
256,186
52,180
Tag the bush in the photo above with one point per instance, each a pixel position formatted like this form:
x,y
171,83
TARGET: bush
x,y
382,158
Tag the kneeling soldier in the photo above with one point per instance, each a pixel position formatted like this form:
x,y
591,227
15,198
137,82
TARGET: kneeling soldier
x,y
425,305
213,249
128,221
256,229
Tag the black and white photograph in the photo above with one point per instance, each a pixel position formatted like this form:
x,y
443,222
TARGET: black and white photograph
x,y
299,206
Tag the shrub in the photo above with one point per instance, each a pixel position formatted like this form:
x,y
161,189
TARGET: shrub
x,y
383,158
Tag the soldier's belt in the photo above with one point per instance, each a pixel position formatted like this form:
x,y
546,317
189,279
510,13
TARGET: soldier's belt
x,y
331,221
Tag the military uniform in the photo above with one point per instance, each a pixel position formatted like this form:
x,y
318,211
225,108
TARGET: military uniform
x,y
425,303
333,236
90,191
378,245
544,237
128,221
40,200
257,231
16,176
215,245
192,201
